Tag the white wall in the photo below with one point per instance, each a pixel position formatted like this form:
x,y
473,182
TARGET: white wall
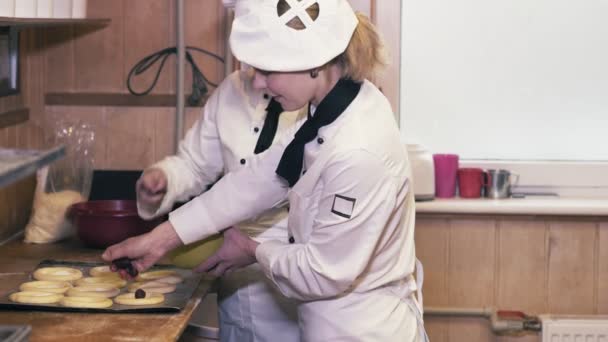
x,y
515,79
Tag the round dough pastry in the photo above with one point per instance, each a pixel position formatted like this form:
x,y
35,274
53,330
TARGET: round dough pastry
x,y
154,275
116,282
86,302
35,297
94,290
151,298
57,274
173,279
151,286
103,271
46,286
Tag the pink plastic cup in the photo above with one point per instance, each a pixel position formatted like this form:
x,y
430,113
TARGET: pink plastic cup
x,y
446,171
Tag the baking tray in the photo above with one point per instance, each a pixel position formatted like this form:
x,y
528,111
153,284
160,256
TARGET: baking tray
x,y
174,302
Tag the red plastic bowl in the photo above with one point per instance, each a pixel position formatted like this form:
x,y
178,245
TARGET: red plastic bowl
x,y
100,224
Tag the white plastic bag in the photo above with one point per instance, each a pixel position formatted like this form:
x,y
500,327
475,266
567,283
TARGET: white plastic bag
x,y
64,183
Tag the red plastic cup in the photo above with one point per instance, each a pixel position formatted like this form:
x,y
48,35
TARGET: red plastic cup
x,y
470,182
446,168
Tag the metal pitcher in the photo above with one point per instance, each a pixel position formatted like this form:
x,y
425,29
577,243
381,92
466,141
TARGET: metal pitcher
x,y
497,183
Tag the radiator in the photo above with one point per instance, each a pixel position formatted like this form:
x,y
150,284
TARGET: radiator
x,y
574,328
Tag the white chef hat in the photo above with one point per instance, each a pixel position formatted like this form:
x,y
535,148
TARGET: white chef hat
x,y
263,39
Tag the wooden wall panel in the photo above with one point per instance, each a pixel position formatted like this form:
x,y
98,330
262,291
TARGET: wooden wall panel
x,y
522,266
571,267
32,85
529,337
130,144
163,133
148,30
205,30
437,328
602,279
432,249
8,137
99,54
15,206
59,52
469,329
471,277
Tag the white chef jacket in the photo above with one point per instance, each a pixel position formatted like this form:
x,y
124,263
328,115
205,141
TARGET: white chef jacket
x,y
213,147
223,138
351,216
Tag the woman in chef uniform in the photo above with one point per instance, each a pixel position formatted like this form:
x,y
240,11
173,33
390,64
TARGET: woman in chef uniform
x,y
350,255
237,122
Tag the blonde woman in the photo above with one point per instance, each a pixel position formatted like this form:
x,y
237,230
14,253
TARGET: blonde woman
x,y
350,256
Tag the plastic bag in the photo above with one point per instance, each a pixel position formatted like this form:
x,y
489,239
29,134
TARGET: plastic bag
x,y
62,184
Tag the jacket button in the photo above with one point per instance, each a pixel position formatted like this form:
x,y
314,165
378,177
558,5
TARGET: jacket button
x,y
320,141
255,129
243,161
292,240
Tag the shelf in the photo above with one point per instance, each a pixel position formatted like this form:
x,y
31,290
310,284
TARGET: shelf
x,y
14,117
113,100
16,164
45,22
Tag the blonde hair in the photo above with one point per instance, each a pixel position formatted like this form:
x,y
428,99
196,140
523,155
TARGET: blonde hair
x,y
365,55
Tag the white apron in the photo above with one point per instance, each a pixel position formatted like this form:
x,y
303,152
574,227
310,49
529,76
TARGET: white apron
x,y
252,309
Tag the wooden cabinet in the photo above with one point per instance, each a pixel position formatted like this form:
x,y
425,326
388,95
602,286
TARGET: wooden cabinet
x,y
535,264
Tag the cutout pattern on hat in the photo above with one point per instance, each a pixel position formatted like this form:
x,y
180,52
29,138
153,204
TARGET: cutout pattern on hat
x,y
262,37
295,13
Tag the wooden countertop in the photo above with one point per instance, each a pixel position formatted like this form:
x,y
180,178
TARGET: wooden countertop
x,y
18,259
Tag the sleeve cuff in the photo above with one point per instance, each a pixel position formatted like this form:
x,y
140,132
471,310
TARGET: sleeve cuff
x,y
190,228
169,198
266,253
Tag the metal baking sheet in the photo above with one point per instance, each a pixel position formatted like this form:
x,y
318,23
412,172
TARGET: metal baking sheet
x,y
174,302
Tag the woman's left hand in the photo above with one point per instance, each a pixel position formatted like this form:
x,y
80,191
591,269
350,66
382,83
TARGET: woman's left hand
x,y
237,251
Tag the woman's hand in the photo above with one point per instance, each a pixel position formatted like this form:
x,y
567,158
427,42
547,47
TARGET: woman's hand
x,y
151,189
144,250
237,251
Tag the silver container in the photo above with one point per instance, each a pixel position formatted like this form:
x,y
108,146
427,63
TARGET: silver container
x,y
498,183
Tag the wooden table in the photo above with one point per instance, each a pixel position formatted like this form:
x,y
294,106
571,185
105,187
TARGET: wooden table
x,y
17,260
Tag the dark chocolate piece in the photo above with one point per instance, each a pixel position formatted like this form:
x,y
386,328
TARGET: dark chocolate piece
x,y
140,294
125,264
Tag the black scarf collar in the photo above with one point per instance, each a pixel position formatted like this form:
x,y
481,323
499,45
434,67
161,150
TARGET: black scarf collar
x,y
271,123
330,108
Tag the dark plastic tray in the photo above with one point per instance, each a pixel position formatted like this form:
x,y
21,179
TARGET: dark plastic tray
x,y
174,302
